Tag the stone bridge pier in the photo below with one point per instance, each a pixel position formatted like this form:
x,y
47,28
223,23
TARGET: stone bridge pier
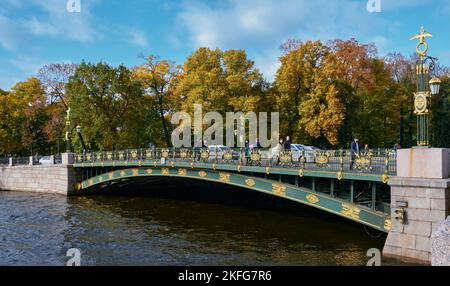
x,y
420,202
52,178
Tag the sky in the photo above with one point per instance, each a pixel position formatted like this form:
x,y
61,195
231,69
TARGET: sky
x,y
34,33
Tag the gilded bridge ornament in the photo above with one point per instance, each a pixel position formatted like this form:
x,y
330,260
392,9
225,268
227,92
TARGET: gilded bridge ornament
x,y
322,158
109,155
228,155
421,37
301,173
385,179
204,154
286,158
279,189
202,174
421,103
350,211
250,182
182,172
184,153
224,177
363,161
312,198
255,156
165,171
134,154
387,224
165,153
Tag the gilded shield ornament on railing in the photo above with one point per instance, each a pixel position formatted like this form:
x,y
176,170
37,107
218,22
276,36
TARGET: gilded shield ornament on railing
x,y
184,153
109,155
98,156
165,153
255,156
286,157
121,155
149,154
322,158
363,161
134,154
204,154
79,158
88,157
228,155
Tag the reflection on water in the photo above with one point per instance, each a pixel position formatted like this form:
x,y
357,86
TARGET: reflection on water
x,y
38,229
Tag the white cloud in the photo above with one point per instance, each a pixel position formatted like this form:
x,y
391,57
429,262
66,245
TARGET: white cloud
x,y
55,20
263,25
138,38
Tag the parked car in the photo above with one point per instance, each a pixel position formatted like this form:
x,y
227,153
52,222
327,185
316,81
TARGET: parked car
x,y
46,160
297,152
221,150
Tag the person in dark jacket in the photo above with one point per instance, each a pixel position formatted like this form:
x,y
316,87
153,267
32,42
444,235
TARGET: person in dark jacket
x,y
287,144
354,148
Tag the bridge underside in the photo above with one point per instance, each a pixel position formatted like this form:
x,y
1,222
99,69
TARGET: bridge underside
x,y
102,177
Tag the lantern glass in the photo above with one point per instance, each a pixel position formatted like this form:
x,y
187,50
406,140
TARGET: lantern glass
x,y
435,85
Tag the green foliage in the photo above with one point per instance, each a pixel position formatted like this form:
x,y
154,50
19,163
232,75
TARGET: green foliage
x,y
108,104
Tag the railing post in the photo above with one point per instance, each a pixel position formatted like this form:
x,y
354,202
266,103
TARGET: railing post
x,y
10,162
52,159
31,161
332,188
374,196
352,191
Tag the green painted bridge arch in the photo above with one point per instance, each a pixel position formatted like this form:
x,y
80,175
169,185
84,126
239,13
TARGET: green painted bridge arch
x,y
366,216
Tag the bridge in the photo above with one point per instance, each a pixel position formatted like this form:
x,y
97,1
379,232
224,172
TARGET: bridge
x,y
405,193
347,184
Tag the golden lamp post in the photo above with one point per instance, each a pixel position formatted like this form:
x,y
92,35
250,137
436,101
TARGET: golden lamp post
x,y
425,88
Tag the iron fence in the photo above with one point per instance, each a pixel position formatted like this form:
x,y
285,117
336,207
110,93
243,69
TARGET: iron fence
x,y
4,161
20,161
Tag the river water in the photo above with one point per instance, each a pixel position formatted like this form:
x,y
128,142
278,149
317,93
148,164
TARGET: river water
x,y
143,229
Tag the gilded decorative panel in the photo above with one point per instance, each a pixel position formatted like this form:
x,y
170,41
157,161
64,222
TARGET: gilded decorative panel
x,y
350,211
279,189
224,177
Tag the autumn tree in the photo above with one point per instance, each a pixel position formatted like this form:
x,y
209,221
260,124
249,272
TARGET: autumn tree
x,y
221,81
156,77
107,103
22,118
54,78
309,100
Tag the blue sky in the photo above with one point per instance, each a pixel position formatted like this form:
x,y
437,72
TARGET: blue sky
x,y
38,32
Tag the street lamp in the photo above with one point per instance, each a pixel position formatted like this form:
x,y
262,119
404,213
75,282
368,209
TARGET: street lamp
x,y
425,88
78,129
435,85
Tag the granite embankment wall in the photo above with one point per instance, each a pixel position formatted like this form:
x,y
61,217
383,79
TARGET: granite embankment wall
x,y
55,179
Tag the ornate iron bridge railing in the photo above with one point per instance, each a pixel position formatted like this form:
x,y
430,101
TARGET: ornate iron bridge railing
x,y
378,162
